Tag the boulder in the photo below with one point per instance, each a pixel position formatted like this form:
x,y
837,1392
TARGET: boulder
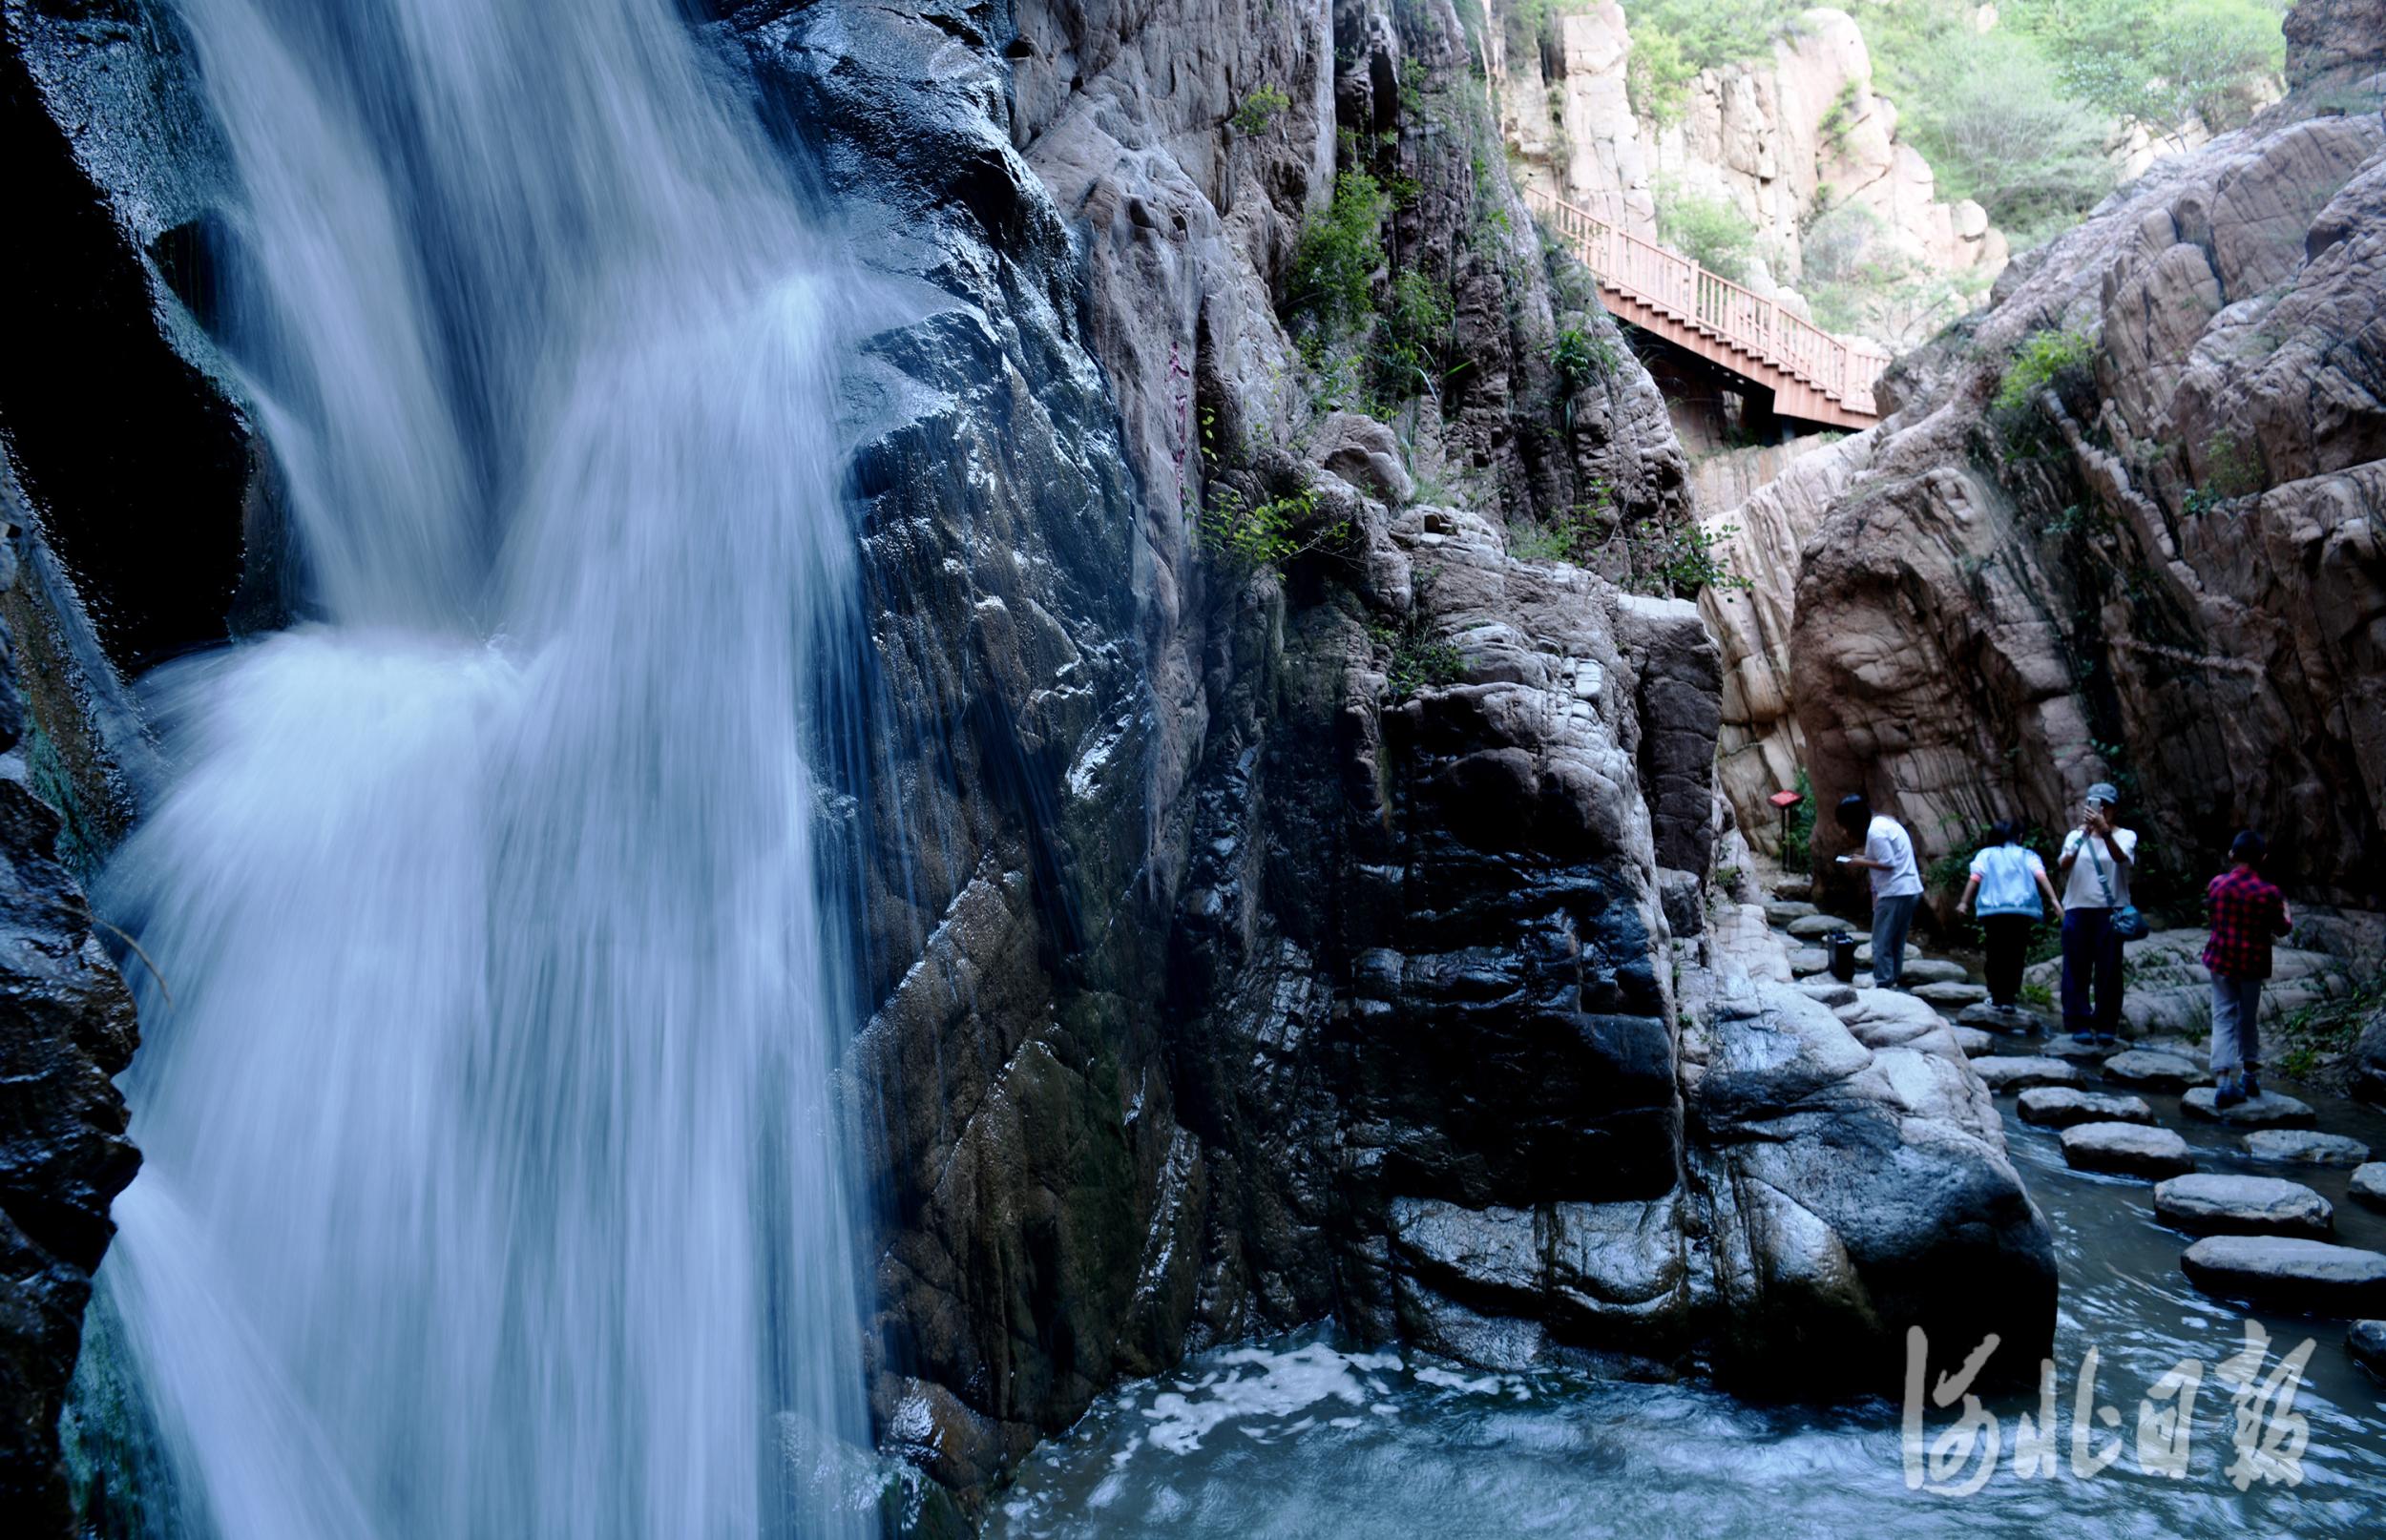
x,y
2269,1110
1794,889
2366,1346
1948,993
1831,992
1782,911
2126,1150
2288,1273
2003,1073
1809,961
2368,1078
1974,1042
1932,970
2212,1203
1813,926
2368,1183
2304,1148
2153,1072
1990,1017
2064,1106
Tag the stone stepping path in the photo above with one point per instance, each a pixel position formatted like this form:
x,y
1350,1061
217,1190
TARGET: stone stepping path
x,y
1813,926
2018,1073
1992,1018
1933,970
1809,961
2211,1204
2366,1342
2368,1184
2060,1107
2126,1150
2301,1147
1943,993
2290,1273
2086,1055
1975,1043
2154,1072
2269,1110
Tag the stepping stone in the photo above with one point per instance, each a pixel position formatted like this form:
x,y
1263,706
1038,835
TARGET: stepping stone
x,y
2086,1055
2154,1072
1794,889
1829,991
2062,1105
1807,961
2313,1276
2269,1110
1945,994
2126,1150
2368,1184
2366,1344
1781,911
1933,970
2004,1073
1813,926
1994,1018
1975,1043
2301,1147
2210,1204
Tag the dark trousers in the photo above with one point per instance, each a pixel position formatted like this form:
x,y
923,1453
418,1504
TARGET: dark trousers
x,y
2008,938
2091,959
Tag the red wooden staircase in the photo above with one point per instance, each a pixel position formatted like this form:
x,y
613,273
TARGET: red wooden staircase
x,y
1815,376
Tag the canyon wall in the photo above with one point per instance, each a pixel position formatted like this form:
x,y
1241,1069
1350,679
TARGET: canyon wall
x,y
1785,139
2125,524
1244,941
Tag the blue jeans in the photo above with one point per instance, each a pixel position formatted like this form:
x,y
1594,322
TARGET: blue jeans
x,y
2236,1041
1892,919
2091,958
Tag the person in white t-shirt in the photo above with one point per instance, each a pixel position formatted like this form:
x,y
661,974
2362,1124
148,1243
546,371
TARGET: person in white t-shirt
x,y
1896,884
2096,861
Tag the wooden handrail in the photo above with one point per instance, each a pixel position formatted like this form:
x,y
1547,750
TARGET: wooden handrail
x,y
1673,285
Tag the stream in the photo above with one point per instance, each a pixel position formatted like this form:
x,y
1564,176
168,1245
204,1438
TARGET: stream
x,y
1314,1434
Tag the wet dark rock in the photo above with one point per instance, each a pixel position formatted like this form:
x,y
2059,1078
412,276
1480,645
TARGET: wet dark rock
x,y
2062,1105
2287,1273
2004,1073
2126,1150
2366,1343
2368,1183
1992,1018
68,1027
2209,1203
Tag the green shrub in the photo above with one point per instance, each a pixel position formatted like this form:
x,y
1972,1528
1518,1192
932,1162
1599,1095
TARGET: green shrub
x,y
2044,358
1253,535
1797,844
1673,40
1710,230
1334,266
2167,63
1419,661
1674,561
1412,336
1258,108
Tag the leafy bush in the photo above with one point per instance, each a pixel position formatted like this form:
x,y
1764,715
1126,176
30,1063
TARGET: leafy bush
x,y
1258,109
1419,661
1674,561
1336,263
1710,230
1252,535
2167,63
1672,40
1578,357
2044,358
1412,335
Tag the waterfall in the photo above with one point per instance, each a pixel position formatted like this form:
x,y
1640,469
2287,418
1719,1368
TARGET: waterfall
x,y
493,1181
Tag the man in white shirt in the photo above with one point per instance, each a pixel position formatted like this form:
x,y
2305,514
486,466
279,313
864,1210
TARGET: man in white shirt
x,y
1896,884
2097,859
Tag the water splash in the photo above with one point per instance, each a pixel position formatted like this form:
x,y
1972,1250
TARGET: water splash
x,y
491,1183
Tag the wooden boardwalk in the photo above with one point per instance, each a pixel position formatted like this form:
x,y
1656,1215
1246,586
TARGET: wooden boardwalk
x,y
1814,377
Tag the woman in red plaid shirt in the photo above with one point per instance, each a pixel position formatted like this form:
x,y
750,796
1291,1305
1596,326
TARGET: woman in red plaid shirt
x,y
2247,914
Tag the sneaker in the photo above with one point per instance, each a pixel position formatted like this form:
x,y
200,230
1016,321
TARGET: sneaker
x,y
2227,1096
2084,1038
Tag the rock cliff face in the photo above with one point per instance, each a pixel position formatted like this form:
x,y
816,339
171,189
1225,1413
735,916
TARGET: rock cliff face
x,y
1245,943
66,1026
2161,564
1785,140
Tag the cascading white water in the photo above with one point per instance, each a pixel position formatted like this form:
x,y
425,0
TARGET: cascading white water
x,y
492,1184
